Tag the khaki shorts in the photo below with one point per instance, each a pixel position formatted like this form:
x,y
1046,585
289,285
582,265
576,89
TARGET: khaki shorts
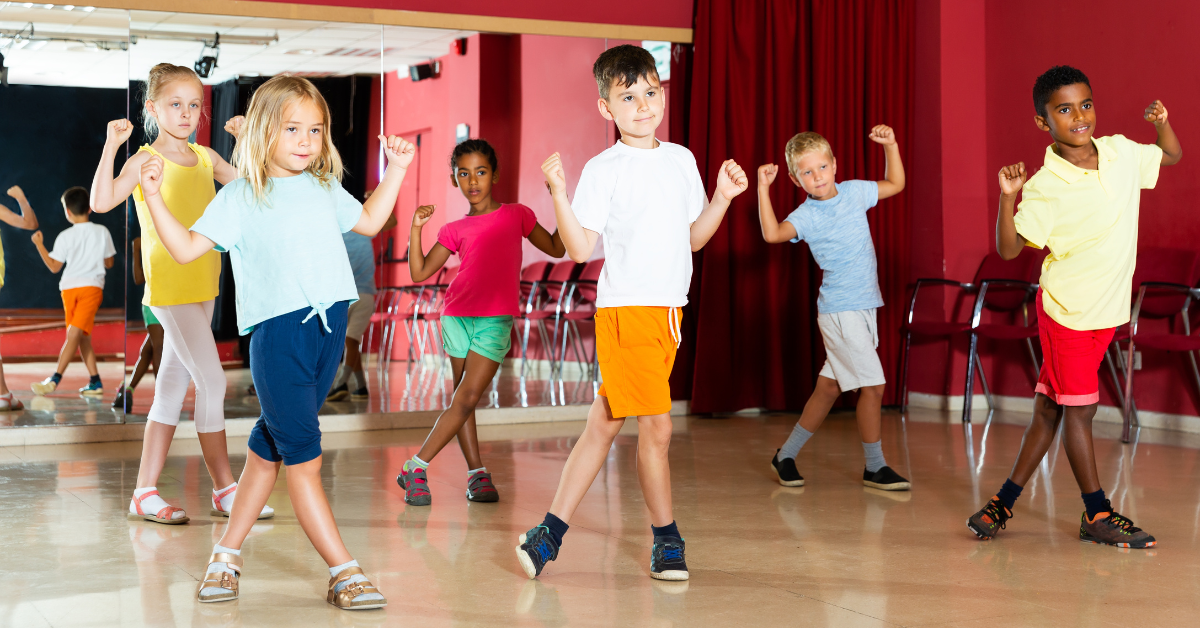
x,y
851,339
359,316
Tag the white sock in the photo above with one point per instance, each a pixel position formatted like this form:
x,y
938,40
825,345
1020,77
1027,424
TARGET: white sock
x,y
365,597
153,504
216,567
227,500
472,472
416,460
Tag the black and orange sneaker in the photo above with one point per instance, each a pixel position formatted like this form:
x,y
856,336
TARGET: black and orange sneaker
x,y
1110,528
987,522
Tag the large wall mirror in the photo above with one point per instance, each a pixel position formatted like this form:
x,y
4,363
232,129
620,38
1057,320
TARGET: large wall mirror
x,y
72,70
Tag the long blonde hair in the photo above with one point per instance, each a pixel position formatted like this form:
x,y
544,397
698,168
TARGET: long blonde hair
x,y
260,134
162,75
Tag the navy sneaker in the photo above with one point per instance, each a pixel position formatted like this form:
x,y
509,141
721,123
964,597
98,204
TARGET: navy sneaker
x,y
785,471
666,559
93,389
362,394
536,548
885,479
338,393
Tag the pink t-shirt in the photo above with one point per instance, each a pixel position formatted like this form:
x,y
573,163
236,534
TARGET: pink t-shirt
x,y
489,248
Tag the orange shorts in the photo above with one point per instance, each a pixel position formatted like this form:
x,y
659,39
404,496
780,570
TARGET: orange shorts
x,y
636,347
81,305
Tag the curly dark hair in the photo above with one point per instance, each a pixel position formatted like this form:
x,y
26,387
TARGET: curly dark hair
x,y
1050,81
76,201
466,147
623,64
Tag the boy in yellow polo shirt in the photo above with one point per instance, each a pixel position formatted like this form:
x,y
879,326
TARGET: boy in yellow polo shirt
x,y
1083,205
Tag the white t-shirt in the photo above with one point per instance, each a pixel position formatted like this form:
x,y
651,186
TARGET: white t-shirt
x,y
83,248
643,201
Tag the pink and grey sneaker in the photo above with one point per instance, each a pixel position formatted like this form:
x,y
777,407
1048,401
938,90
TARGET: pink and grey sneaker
x,y
415,483
481,489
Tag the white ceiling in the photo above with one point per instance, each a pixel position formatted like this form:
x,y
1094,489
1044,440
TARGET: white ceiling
x,y
303,47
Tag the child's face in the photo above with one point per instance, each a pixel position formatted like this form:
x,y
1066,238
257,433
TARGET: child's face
x,y
301,138
178,108
474,177
1070,115
637,109
814,172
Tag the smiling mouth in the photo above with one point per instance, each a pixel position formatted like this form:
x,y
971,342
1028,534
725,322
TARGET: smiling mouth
x,y
1081,129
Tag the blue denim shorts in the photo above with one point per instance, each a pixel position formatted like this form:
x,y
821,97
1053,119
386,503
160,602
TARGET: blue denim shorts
x,y
293,365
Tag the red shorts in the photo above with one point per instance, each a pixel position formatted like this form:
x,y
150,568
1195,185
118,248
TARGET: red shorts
x,y
1070,361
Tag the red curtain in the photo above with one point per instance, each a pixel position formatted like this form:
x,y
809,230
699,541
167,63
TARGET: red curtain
x,y
762,71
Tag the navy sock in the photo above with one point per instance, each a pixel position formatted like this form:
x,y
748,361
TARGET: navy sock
x,y
57,377
1009,493
558,528
1094,503
95,379
668,530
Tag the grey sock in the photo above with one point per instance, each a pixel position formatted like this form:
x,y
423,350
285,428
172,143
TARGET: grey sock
x,y
342,377
794,442
360,379
874,454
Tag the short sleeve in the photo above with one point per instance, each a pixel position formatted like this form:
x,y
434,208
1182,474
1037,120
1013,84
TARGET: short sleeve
x,y
1149,163
528,220
347,208
222,220
109,249
796,218
868,192
1034,219
593,197
448,236
61,244
697,196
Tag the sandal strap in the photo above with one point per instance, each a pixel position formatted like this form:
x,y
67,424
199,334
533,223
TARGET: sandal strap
x,y
169,510
137,501
233,560
217,497
346,574
222,580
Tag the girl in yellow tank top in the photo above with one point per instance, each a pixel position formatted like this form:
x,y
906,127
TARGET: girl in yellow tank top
x,y
181,296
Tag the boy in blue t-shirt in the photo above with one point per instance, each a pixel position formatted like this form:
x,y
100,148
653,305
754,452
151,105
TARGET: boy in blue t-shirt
x,y
833,221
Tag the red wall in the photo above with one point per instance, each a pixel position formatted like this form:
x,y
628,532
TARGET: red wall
x,y
976,67
669,13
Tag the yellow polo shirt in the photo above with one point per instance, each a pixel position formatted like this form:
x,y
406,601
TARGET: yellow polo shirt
x,y
1089,221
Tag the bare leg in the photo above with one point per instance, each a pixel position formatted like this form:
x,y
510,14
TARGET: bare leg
x,y
825,394
155,443
468,437
1038,437
654,469
150,355
257,481
353,357
476,379
3,384
89,356
216,457
870,398
1077,439
70,346
586,459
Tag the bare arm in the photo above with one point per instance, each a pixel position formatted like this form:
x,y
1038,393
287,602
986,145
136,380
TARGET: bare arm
x,y
1167,141
183,246
551,245
421,266
139,277
223,172
53,264
1008,242
773,231
108,192
893,169
577,241
108,261
26,219
731,181
400,153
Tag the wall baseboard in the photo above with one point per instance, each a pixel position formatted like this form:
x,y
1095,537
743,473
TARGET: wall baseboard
x,y
1007,403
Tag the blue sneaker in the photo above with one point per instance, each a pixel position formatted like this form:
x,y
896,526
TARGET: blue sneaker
x,y
536,548
666,559
93,389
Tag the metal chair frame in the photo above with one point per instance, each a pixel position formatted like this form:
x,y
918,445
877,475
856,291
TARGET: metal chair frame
x,y
1191,294
973,354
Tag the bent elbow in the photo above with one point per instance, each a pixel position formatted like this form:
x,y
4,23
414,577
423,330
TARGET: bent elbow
x,y
579,259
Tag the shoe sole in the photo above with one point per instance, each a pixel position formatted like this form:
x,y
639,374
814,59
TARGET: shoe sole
x,y
673,574
360,397
39,389
337,396
799,482
896,486
221,513
526,561
92,393
167,522
981,535
363,607
211,599
494,497
1095,541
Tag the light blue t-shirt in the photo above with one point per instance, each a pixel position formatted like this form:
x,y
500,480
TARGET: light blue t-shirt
x,y
837,233
286,252
362,261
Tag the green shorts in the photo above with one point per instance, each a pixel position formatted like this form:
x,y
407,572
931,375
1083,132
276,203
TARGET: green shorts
x,y
148,316
489,336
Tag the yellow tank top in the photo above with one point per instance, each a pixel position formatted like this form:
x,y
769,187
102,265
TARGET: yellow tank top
x,y
187,192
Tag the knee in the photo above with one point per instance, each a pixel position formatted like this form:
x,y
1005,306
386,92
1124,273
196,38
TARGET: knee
x,y
213,382
467,397
827,388
1046,410
871,393
655,432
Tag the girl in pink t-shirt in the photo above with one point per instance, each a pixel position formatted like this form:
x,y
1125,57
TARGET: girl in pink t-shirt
x,y
479,307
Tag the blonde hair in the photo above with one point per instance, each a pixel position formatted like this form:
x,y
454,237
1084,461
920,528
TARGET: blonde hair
x,y
162,75
802,144
260,134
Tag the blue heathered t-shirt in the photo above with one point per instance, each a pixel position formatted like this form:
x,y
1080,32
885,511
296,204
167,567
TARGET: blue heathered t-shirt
x,y
837,233
362,261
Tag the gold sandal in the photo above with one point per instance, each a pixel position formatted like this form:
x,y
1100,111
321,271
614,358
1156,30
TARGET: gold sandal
x,y
344,599
221,579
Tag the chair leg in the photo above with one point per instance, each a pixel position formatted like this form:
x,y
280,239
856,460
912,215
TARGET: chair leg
x,y
904,373
1195,370
524,352
1037,368
1112,371
983,380
970,389
1128,414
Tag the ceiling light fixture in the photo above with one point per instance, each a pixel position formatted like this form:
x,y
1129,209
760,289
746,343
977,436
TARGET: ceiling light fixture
x,y
207,63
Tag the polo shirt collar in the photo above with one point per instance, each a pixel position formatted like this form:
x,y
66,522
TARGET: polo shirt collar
x,y
1071,173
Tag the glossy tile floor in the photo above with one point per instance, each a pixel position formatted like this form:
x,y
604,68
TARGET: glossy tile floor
x,y
828,554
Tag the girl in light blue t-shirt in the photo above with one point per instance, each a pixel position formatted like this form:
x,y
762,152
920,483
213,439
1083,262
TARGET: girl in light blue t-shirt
x,y
282,222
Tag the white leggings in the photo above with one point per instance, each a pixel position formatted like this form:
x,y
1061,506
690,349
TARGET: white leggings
x,y
189,353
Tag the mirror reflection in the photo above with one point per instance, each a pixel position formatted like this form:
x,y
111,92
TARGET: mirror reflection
x,y
63,75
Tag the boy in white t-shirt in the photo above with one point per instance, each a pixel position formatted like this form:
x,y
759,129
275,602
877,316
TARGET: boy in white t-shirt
x,y
86,250
648,200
